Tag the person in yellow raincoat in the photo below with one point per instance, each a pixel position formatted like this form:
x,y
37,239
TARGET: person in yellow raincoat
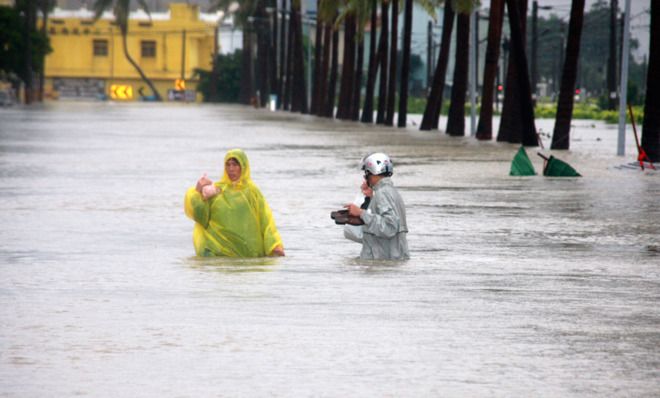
x,y
232,217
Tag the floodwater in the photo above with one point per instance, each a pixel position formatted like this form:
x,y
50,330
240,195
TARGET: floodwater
x,y
530,286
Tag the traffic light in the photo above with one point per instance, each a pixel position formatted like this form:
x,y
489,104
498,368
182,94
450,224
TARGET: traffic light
x,y
500,87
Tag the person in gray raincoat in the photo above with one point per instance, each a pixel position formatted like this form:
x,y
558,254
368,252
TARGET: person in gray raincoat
x,y
385,228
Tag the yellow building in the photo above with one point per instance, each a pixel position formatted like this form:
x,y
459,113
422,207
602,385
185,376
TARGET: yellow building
x,y
88,58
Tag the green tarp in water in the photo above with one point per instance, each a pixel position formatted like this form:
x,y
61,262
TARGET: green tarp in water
x,y
558,168
521,165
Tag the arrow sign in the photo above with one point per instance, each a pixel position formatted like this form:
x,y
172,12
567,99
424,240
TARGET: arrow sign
x,y
121,91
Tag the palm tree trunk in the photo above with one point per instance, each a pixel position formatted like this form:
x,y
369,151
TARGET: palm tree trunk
x,y
561,133
263,59
274,79
323,90
511,125
246,74
283,58
496,16
28,68
137,67
299,95
431,116
348,70
456,117
290,54
391,89
368,111
383,51
405,64
45,10
357,90
651,125
317,64
332,85
525,104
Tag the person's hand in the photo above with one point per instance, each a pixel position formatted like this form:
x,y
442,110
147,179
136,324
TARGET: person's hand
x,y
209,191
278,251
353,210
366,189
202,182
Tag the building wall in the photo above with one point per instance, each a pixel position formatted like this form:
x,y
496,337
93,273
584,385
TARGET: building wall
x,y
73,67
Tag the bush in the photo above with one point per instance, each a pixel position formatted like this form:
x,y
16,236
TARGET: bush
x,y
228,83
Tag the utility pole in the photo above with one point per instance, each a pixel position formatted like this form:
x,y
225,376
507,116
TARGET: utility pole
x,y
621,147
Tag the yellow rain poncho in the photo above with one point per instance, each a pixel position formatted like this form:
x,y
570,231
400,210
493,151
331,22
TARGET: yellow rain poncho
x,y
237,222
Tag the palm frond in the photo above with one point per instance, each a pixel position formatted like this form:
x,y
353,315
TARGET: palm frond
x,y
430,6
464,6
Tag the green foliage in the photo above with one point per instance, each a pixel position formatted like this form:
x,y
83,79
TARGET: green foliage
x,y
229,79
120,9
589,111
12,43
594,52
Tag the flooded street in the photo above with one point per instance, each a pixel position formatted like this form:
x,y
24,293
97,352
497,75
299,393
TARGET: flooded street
x,y
517,286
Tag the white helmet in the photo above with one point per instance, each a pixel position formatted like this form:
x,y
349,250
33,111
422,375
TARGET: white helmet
x,y
378,164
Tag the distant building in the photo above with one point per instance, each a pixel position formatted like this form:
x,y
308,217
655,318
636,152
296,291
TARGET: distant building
x,y
88,60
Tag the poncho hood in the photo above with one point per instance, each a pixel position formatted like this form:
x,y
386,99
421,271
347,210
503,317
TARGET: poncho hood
x,y
242,159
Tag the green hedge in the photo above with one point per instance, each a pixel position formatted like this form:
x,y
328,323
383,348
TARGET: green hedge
x,y
589,111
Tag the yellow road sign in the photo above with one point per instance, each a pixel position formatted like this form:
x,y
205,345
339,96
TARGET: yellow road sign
x,y
121,91
180,84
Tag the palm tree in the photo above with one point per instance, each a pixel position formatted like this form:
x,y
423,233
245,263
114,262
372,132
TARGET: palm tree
x,y
29,9
363,9
283,57
517,121
368,110
348,68
318,61
651,126
298,94
405,64
510,129
391,90
45,6
527,129
496,16
382,56
456,117
332,84
434,100
121,11
561,133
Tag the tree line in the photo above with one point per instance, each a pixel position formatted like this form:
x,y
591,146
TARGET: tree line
x,y
273,61
370,87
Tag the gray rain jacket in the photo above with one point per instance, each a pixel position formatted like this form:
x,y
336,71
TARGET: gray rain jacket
x,y
385,228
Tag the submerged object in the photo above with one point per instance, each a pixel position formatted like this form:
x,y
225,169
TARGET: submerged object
x,y
557,168
521,165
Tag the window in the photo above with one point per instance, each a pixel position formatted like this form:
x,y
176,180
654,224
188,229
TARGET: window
x,y
148,48
100,48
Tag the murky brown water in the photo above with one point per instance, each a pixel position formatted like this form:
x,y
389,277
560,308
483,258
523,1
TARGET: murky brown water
x,y
516,287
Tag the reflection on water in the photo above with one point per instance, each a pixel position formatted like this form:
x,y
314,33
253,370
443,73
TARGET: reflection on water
x,y
229,265
516,287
